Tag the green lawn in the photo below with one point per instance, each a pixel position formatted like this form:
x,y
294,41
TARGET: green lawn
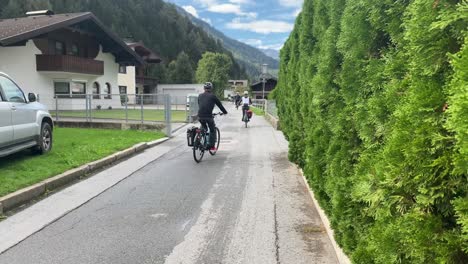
x,y
72,148
133,114
257,111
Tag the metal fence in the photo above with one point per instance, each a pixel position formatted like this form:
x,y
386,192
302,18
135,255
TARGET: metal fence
x,y
259,103
271,108
123,108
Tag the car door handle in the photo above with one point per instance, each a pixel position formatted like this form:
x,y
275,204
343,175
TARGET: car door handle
x,y
13,108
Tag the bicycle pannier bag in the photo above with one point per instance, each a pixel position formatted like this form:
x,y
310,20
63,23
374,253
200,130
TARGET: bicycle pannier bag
x,y
191,135
249,113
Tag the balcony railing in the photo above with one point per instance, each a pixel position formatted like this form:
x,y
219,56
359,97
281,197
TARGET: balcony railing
x,y
67,63
146,80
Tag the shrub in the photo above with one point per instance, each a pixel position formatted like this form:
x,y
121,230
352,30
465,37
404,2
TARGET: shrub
x,y
373,98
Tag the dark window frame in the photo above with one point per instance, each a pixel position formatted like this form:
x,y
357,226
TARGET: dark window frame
x,y
96,95
108,91
63,51
75,52
122,69
62,94
80,94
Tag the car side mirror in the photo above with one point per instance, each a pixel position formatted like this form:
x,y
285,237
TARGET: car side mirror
x,y
32,97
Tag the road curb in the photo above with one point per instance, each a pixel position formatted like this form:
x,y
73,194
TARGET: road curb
x,y
22,196
342,258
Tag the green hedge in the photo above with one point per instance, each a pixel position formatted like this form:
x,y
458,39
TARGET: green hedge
x,y
373,98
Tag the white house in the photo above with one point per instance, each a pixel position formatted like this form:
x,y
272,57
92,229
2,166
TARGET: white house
x,y
134,79
64,56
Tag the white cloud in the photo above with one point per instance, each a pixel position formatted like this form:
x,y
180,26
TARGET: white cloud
x,y
240,1
258,43
190,9
231,9
207,2
253,42
291,3
261,26
271,46
225,9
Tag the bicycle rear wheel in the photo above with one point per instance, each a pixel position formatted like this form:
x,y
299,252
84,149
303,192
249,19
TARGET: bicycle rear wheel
x,y
218,139
198,149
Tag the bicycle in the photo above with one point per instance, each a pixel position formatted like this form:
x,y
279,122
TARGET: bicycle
x,y
245,117
201,140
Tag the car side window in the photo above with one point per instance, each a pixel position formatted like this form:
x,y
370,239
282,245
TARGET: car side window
x,y
12,92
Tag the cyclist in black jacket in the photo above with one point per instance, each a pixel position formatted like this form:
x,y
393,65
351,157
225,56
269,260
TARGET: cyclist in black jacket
x,y
206,103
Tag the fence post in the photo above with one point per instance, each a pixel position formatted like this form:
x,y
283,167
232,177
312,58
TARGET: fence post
x,y
90,108
141,107
126,108
87,107
167,114
56,108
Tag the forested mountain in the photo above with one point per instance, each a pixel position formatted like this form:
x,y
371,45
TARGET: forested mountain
x,y
271,53
154,22
373,98
249,57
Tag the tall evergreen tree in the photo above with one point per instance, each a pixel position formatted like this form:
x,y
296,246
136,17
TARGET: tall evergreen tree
x,y
181,70
371,96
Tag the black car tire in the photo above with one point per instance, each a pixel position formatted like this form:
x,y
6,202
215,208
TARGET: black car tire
x,y
45,139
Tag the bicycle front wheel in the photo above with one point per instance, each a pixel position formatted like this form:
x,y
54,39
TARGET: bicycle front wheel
x,y
218,139
198,150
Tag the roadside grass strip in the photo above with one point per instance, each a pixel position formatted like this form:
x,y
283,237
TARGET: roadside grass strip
x,y
72,148
119,114
257,111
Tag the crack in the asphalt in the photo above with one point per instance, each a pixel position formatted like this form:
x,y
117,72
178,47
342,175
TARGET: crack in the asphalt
x,y
68,229
276,224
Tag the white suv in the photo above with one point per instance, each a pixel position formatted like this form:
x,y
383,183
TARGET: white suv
x,y
24,123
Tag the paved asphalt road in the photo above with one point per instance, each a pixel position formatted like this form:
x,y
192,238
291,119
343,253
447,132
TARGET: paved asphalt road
x,y
247,204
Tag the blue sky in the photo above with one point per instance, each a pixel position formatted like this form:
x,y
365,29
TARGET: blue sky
x,y
262,24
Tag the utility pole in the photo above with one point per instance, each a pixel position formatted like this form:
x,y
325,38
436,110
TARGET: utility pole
x,y
263,78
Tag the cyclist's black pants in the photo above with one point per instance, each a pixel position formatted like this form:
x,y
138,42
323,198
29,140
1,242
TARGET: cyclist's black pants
x,y
245,108
209,122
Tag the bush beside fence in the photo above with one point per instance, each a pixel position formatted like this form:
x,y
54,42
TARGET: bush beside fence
x,y
373,98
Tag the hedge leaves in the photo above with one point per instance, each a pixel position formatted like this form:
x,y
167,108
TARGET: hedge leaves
x,y
373,98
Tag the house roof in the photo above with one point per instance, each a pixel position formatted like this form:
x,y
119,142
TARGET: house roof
x,y
269,78
147,54
17,30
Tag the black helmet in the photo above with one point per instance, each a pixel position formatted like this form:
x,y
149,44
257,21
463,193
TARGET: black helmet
x,y
208,85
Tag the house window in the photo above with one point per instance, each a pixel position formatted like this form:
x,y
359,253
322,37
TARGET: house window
x,y
96,91
78,89
123,95
62,89
74,50
123,89
59,48
122,69
108,91
70,89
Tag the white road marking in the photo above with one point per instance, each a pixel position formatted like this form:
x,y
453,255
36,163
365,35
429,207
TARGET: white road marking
x,y
157,216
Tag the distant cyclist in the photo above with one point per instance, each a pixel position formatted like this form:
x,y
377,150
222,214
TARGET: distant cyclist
x,y
246,102
206,103
237,100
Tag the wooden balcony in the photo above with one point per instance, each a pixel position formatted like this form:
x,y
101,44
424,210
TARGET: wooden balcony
x,y
146,80
67,63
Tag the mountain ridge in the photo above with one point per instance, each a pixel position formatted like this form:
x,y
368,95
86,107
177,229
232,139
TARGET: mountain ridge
x,y
247,56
